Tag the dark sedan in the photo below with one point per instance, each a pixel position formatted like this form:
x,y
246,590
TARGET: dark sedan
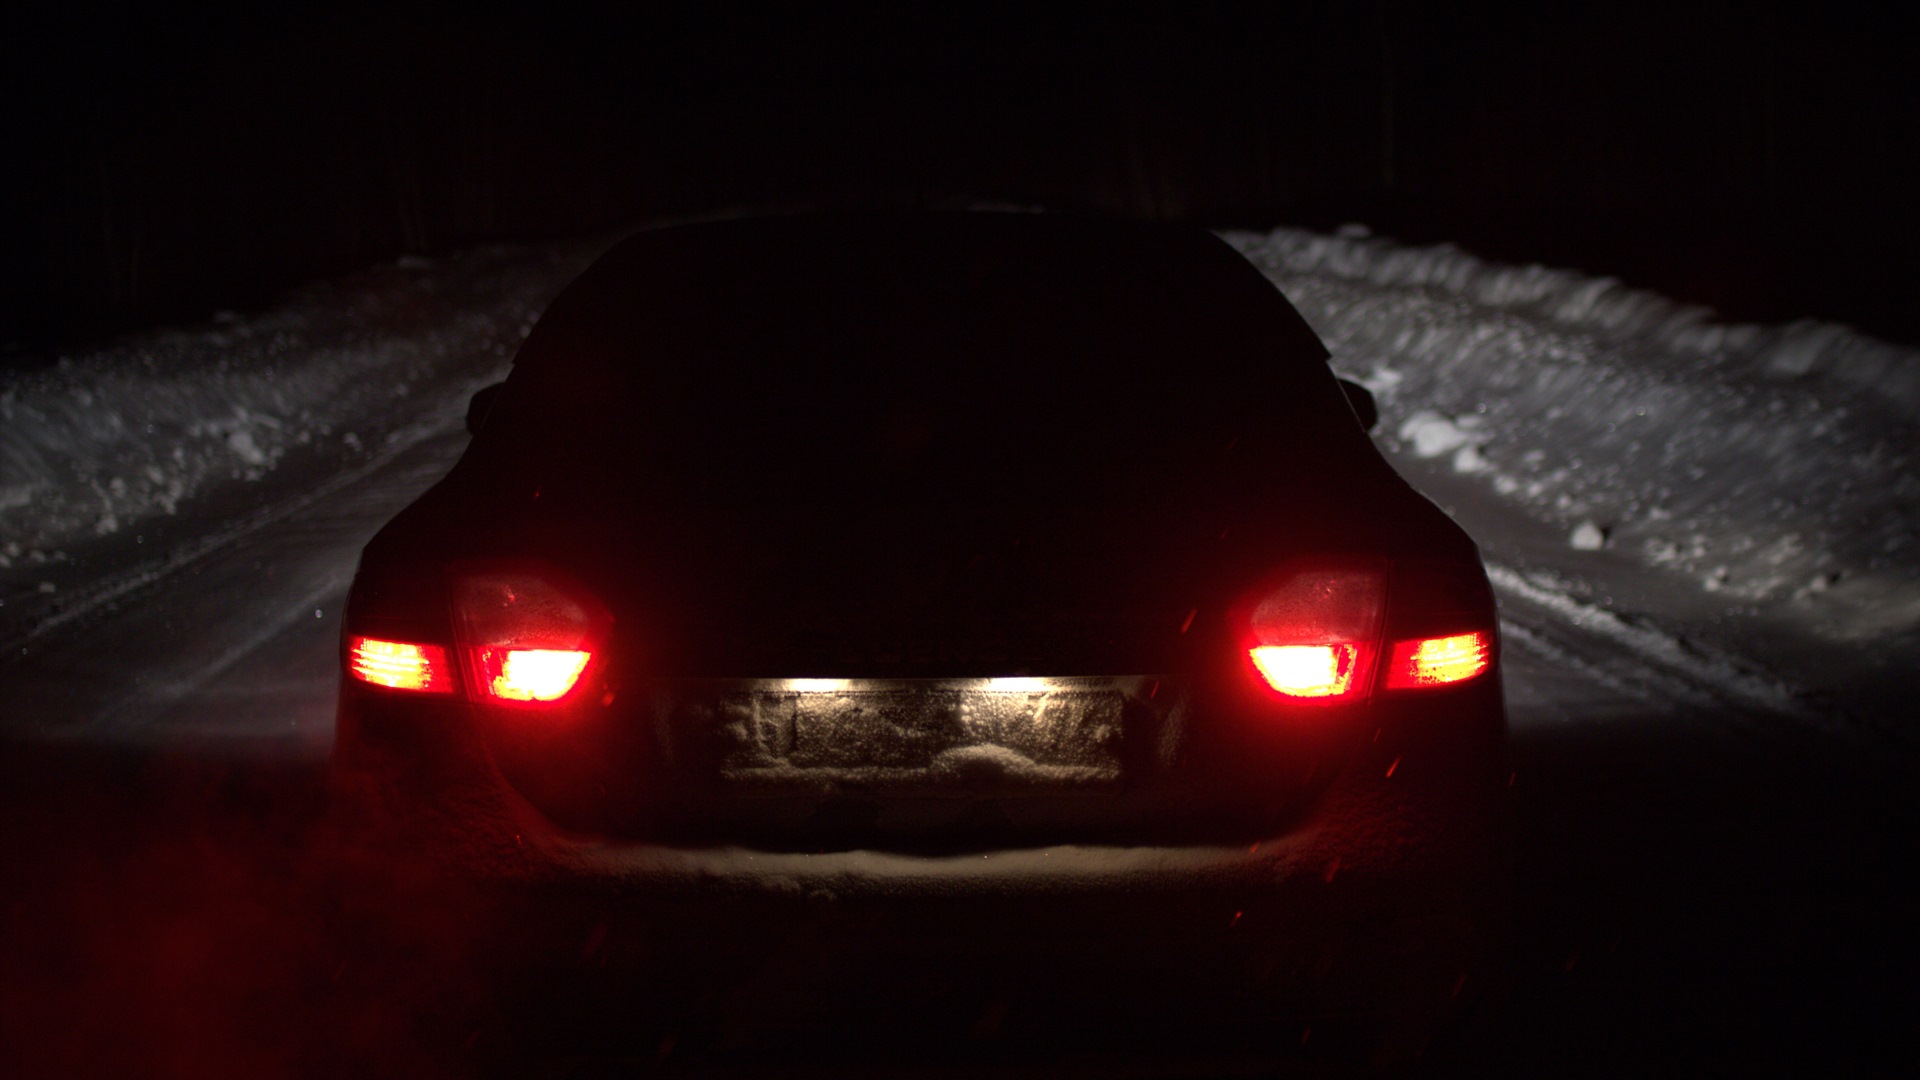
x,y
1013,602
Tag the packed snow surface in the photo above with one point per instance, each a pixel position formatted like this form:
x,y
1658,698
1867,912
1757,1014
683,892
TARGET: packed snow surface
x,y
1765,466
1773,465
99,442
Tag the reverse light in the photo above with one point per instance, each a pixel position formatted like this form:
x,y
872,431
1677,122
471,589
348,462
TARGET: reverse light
x,y
400,665
525,640
1439,661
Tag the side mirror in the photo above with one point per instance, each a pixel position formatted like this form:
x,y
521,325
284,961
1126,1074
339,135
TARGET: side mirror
x,y
480,405
1359,397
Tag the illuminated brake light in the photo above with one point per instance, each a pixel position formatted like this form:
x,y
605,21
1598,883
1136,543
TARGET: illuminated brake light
x,y
525,638
1321,630
1313,634
1309,671
1439,661
400,665
531,674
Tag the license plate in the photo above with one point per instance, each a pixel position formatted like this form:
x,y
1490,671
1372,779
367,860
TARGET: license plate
x,y
1011,731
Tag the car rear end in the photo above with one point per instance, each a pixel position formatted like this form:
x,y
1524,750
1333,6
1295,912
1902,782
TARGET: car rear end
x,y
987,628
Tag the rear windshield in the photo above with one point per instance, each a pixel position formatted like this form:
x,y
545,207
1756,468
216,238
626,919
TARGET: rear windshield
x,y
988,367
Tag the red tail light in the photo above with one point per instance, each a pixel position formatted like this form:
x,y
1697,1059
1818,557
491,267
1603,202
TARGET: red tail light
x,y
1319,633
525,640
1438,661
1307,670
400,665
1314,635
529,674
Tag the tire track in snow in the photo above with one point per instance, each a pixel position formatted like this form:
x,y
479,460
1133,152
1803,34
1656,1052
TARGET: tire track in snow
x,y
156,700
1628,655
126,585
238,645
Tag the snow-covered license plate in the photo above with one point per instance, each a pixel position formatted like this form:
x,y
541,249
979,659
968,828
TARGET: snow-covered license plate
x,y
1025,730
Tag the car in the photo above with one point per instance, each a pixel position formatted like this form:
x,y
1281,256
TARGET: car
x,y
1005,618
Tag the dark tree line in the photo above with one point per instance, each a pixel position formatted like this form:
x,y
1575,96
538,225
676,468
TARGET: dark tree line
x,y
168,162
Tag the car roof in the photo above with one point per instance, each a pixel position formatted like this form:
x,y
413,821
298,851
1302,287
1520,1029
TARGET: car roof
x,y
655,278
959,349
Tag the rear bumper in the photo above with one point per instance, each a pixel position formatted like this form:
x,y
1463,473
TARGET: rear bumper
x,y
1423,801
1054,870
1382,906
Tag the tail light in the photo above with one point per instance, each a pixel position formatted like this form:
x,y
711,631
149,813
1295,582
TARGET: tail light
x,y
1318,633
1309,671
1438,661
523,638
1314,635
400,665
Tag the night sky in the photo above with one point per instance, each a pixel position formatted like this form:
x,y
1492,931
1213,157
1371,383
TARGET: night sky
x,y
168,162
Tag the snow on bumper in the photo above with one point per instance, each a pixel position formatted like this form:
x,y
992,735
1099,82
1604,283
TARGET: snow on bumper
x,y
1422,803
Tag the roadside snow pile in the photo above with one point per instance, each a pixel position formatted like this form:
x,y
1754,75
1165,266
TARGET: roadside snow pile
x,y
1772,465
96,443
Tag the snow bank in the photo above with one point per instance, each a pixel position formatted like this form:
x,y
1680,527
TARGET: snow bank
x,y
1773,465
97,443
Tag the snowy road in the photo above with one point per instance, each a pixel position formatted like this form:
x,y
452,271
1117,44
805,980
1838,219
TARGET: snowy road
x,y
228,644
1655,848
163,654
1724,513
1707,854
